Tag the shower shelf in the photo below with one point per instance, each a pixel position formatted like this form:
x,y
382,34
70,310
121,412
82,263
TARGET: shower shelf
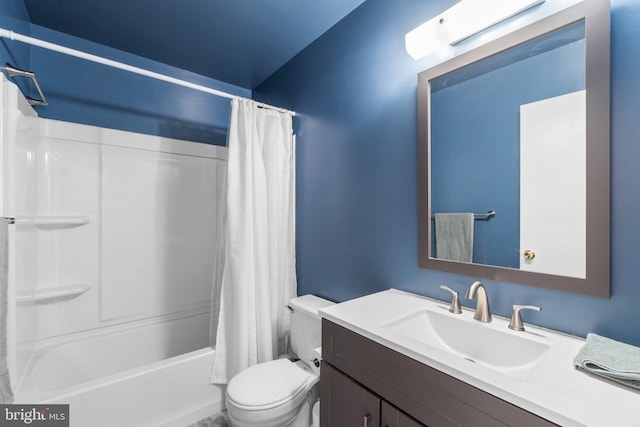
x,y
53,293
49,222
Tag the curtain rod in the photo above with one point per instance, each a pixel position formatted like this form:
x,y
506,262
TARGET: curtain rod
x,y
8,34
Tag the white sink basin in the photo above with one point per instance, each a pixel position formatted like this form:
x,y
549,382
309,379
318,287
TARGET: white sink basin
x,y
492,345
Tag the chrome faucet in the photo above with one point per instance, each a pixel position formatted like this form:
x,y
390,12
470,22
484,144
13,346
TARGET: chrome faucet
x,y
479,293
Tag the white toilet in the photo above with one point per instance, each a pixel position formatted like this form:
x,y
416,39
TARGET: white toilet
x,y
274,394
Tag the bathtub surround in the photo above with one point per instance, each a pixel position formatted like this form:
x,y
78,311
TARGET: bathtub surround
x,y
144,252
114,237
258,272
6,393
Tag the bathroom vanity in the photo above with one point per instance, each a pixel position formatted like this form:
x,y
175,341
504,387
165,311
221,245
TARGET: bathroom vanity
x,y
420,394
401,360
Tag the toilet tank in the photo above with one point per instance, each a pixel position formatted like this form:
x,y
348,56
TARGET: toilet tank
x,y
306,325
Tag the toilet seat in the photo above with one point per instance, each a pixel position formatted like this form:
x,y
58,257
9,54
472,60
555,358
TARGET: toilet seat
x,y
268,391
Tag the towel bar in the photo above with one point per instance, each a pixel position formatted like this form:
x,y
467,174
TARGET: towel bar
x,y
488,215
13,71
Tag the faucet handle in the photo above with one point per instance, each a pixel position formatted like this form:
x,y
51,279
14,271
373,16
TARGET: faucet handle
x,y
455,302
516,320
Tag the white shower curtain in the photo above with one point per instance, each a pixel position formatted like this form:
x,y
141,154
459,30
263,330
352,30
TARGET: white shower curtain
x,y
258,254
6,393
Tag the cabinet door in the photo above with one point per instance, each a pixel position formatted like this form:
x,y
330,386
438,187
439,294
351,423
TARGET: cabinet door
x,y
344,402
390,416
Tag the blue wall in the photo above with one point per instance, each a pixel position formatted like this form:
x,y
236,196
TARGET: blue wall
x,y
354,90
84,92
13,16
476,142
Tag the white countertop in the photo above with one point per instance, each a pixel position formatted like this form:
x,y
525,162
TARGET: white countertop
x,y
554,389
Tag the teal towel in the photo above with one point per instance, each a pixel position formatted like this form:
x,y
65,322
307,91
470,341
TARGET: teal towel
x,y
454,236
610,359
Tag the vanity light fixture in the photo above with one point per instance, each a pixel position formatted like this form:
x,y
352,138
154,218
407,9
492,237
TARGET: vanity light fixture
x,y
461,21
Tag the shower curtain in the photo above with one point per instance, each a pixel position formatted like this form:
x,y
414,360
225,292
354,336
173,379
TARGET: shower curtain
x,y
6,394
258,251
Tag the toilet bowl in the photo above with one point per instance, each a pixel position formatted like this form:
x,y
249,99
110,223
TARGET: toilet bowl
x,y
270,394
280,393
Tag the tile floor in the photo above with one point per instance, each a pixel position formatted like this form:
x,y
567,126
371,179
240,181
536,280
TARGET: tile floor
x,y
218,420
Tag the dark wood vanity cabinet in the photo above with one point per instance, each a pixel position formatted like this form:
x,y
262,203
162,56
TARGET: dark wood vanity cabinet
x,y
350,404
363,383
347,402
393,417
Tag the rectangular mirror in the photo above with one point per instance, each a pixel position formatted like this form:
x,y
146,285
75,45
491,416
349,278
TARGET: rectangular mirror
x,y
514,156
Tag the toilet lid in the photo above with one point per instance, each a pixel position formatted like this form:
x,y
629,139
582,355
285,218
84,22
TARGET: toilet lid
x,y
268,384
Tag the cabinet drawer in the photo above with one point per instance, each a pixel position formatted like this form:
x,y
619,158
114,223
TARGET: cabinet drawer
x,y
430,396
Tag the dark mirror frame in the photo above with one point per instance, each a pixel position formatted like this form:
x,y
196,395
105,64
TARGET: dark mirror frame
x,y
596,15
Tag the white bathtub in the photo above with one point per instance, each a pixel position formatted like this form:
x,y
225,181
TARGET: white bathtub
x,y
122,376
